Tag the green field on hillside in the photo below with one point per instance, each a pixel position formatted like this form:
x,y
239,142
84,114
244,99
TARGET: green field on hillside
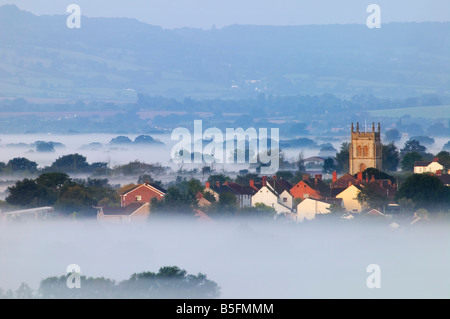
x,y
432,112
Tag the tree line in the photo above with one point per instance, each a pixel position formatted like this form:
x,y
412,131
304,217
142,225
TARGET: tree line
x,y
170,282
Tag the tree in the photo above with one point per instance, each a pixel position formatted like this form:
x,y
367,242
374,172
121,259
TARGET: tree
x,y
446,147
286,175
28,193
245,179
392,135
376,173
328,166
52,180
102,192
146,139
413,146
426,191
423,140
444,159
45,147
194,186
372,196
175,201
342,158
76,198
391,157
24,292
300,163
438,129
70,163
221,178
227,202
147,178
168,282
22,164
126,188
409,159
121,140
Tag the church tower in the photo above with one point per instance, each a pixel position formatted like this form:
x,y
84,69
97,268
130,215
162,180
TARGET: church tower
x,y
365,150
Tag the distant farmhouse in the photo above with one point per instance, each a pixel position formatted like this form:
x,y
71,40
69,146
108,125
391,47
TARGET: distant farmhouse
x,y
428,166
135,204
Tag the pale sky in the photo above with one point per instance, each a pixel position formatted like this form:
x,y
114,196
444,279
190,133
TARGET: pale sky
x,y
206,13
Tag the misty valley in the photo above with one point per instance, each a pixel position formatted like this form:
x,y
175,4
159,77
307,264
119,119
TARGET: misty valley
x,y
242,162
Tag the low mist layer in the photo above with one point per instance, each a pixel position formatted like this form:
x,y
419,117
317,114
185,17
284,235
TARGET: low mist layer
x,y
247,259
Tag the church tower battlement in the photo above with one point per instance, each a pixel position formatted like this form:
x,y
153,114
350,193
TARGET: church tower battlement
x,y
365,150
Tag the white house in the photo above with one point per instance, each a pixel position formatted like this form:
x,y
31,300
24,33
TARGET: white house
x,y
134,212
350,198
266,195
310,207
428,167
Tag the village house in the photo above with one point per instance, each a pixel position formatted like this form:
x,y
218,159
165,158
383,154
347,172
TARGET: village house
x,y
428,166
267,195
202,201
310,207
142,193
310,188
349,197
243,193
133,212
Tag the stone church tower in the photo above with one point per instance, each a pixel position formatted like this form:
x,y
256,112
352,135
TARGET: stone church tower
x,y
365,150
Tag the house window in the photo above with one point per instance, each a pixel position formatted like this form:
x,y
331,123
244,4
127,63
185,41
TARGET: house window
x,y
138,198
273,205
284,199
359,151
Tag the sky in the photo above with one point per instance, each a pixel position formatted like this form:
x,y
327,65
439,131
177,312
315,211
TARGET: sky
x,y
219,13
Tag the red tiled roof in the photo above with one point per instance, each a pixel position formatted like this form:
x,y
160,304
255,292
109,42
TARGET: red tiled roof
x,y
152,185
343,181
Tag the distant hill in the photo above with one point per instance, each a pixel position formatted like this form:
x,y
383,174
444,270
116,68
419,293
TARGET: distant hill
x,y
116,58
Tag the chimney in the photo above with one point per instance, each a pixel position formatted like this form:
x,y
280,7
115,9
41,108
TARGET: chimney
x,y
225,183
318,177
334,176
218,184
252,183
207,185
372,179
264,181
367,178
436,159
305,177
274,177
349,183
389,182
360,177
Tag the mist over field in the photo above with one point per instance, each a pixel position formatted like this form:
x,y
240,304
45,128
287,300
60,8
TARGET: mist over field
x,y
247,259
122,154
90,174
